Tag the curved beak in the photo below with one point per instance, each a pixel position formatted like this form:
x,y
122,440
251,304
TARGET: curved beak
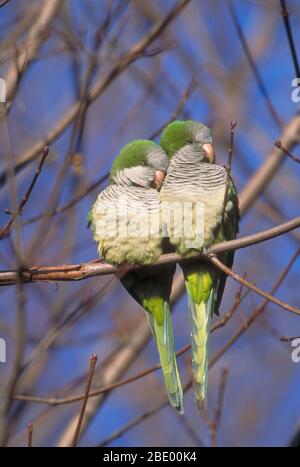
x,y
209,150
159,177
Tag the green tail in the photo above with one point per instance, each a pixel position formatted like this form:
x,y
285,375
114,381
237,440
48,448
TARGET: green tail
x,y
158,312
201,297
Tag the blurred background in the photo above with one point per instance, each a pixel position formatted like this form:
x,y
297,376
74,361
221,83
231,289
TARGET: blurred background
x,y
86,77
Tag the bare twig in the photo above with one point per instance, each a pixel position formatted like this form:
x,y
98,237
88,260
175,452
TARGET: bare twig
x,y
35,38
29,433
93,361
214,424
288,29
216,262
219,408
4,231
278,144
288,339
4,2
236,303
228,166
256,313
186,95
73,201
253,66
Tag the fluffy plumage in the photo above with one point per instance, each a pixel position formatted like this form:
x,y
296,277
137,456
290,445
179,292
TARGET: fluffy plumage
x,y
200,186
126,224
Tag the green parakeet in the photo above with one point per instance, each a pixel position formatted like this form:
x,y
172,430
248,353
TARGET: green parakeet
x,y
126,223
199,184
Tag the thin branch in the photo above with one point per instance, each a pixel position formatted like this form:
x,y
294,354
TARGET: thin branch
x,y
221,393
285,15
289,339
93,361
4,231
253,66
278,145
29,434
185,96
216,262
214,424
31,45
229,164
4,2
236,303
256,313
72,202
274,214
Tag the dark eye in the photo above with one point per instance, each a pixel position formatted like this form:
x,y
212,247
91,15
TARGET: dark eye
x,y
190,140
145,163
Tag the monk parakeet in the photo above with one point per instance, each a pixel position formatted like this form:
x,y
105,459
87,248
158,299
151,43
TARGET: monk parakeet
x,y
126,223
199,184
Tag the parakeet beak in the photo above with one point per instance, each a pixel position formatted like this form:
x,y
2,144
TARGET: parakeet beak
x,y
159,177
209,150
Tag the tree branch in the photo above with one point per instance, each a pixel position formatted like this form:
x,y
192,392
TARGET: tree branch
x,y
216,262
4,231
75,272
34,40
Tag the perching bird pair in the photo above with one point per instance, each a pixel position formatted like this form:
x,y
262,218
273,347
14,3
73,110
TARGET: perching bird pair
x,y
163,198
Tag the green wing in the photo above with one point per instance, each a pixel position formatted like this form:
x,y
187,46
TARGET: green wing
x,y
228,231
89,218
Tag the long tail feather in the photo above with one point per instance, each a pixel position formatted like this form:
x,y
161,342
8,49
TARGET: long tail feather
x,y
158,313
200,313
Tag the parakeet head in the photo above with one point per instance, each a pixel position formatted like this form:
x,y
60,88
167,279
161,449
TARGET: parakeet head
x,y
140,160
190,134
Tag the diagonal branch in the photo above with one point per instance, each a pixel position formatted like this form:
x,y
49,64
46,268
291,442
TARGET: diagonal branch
x,y
4,231
256,313
288,29
216,262
286,152
93,361
253,66
30,48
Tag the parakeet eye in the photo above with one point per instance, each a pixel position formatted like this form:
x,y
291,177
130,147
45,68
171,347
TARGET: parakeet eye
x,y
145,163
190,140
